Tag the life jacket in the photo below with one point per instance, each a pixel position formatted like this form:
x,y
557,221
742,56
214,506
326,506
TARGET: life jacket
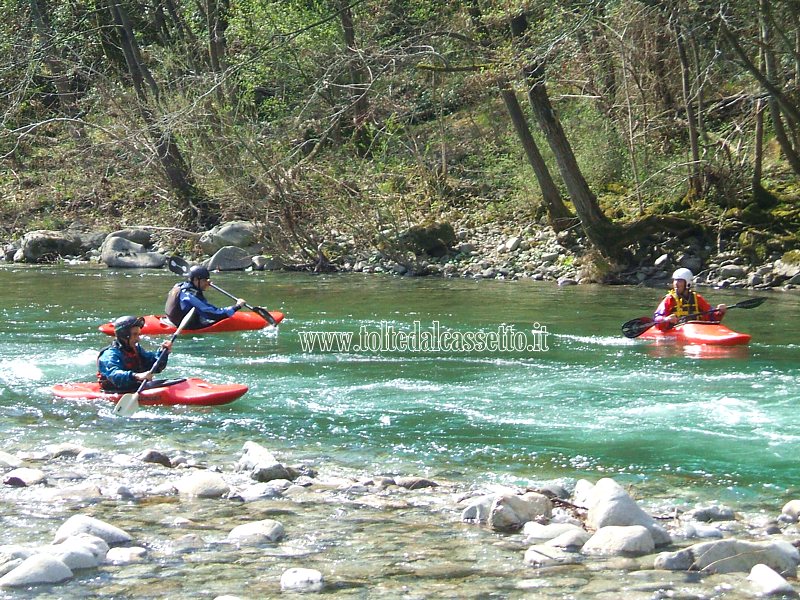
x,y
684,307
172,308
131,361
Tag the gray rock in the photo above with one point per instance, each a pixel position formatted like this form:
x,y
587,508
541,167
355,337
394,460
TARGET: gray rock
x,y
769,583
23,477
256,533
203,485
78,524
9,461
735,271
609,504
612,540
261,491
243,234
510,512
261,464
35,570
548,556
714,512
302,580
230,258
570,540
135,235
154,456
694,530
731,555
478,509
122,253
266,263
45,245
414,483
536,532
674,561
791,510
126,556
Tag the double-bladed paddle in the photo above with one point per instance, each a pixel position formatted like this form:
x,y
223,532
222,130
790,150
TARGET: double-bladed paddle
x,y
180,267
636,327
129,403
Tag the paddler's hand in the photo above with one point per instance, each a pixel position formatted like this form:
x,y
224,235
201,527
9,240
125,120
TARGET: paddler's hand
x,y
167,345
721,308
144,376
239,304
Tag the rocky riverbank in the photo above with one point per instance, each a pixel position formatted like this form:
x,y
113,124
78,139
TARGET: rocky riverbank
x,y
482,252
85,522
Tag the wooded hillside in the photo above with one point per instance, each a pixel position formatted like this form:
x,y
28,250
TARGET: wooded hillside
x,y
620,118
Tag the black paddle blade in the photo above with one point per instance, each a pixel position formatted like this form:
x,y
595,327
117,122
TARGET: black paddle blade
x,y
750,303
178,266
264,314
636,327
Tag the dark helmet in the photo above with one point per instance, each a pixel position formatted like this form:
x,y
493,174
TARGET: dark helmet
x,y
198,272
123,326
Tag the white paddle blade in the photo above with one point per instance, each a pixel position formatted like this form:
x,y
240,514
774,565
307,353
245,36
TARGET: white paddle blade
x,y
127,405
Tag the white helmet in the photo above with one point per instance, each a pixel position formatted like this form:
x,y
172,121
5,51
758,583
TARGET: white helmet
x,y
684,274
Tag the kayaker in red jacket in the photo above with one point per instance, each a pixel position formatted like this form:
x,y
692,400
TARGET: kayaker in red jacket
x,y
682,301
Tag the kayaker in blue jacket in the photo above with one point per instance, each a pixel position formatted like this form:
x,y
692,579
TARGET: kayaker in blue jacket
x,y
183,296
122,366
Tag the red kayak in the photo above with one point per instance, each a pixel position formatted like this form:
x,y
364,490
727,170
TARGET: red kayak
x,y
698,332
190,392
240,321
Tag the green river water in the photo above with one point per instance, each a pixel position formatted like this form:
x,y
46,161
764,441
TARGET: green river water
x,y
674,422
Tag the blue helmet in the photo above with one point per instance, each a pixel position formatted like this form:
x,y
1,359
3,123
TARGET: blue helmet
x,y
198,272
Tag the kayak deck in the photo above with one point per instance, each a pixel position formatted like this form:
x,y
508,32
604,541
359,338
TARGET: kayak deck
x,y
190,392
240,321
698,332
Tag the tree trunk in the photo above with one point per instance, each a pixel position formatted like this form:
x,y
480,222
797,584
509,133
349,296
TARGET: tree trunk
x,y
53,60
176,170
558,214
758,153
599,229
357,77
771,75
695,184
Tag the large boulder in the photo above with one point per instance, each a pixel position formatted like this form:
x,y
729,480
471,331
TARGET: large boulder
x,y
84,524
731,556
120,252
37,569
230,258
788,265
256,533
612,540
434,239
609,504
261,464
203,485
135,235
510,512
243,234
45,246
